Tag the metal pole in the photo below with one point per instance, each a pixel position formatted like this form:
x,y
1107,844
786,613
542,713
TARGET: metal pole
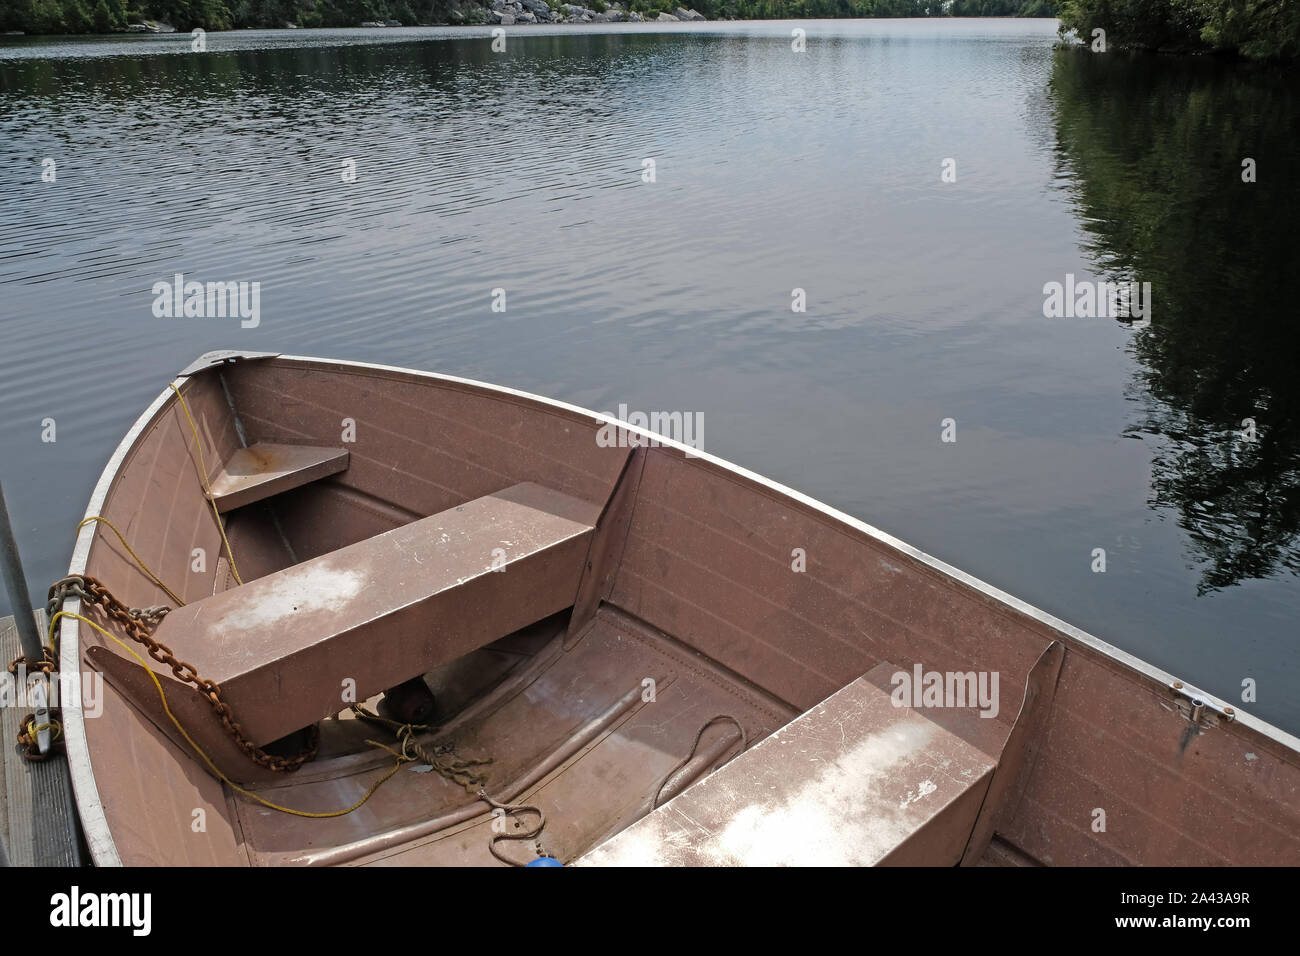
x,y
16,584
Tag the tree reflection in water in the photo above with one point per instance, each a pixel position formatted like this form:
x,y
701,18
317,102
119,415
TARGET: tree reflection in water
x,y
1153,150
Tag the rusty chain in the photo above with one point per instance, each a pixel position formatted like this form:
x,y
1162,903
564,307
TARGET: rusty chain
x,y
27,739
48,663
139,623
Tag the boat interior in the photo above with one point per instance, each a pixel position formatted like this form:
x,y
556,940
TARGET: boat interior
x,y
671,660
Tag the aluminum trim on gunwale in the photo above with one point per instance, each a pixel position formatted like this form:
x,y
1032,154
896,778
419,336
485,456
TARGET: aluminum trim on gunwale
x,y
95,823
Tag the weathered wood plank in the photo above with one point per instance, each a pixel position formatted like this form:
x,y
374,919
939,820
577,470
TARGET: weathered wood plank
x,y
36,807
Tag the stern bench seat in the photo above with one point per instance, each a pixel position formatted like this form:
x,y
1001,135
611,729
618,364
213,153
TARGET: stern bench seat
x,y
854,781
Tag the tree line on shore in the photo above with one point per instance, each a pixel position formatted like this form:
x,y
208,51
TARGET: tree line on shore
x,y
1259,29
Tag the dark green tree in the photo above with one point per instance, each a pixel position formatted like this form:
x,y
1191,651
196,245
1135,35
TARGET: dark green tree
x,y
1261,29
109,15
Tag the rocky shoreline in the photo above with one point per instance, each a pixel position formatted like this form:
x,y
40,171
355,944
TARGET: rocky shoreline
x,y
511,12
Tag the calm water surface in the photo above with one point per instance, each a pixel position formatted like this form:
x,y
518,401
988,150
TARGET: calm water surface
x,y
774,170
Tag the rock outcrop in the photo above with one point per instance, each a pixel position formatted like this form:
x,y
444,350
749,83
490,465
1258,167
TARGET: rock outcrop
x,y
518,12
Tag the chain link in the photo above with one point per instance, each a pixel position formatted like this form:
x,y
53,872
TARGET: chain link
x,y
28,740
138,623
46,665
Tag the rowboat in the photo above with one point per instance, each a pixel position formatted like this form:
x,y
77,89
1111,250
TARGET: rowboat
x,y
353,614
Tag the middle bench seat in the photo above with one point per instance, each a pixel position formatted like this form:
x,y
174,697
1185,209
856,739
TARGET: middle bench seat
x,y
386,609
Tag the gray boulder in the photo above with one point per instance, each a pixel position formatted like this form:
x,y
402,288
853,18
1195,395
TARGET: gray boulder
x,y
538,8
635,17
507,19
665,18
526,17
695,14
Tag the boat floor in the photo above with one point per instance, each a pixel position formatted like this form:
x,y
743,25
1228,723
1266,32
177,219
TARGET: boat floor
x,y
579,732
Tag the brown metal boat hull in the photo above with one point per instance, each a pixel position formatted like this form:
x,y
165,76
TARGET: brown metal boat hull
x,y
689,584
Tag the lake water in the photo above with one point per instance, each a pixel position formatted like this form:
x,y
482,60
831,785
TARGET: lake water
x,y
774,170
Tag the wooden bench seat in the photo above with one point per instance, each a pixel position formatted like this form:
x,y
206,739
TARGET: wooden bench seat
x,y
853,781
386,609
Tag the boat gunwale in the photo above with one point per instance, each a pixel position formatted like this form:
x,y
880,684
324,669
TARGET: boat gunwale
x,y
90,807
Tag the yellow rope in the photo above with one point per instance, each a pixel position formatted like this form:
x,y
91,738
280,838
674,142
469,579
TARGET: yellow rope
x,y
396,726
199,750
203,475
53,724
162,696
402,757
143,567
